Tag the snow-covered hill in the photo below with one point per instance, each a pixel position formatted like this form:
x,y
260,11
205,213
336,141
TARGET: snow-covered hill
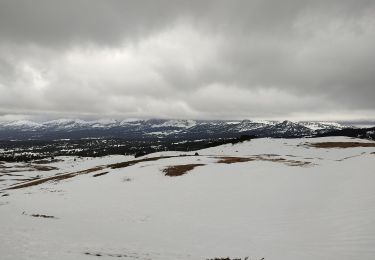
x,y
268,198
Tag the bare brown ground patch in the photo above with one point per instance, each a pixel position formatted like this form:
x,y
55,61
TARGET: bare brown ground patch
x,y
265,157
46,161
10,174
296,163
26,179
129,255
41,216
99,174
230,160
40,181
133,162
64,176
228,258
350,157
43,168
55,178
341,145
27,168
178,170
283,160
38,215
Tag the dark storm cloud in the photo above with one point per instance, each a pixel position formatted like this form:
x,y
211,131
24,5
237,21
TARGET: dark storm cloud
x,y
197,59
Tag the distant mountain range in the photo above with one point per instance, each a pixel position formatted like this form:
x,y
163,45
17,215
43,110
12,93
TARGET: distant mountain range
x,y
161,129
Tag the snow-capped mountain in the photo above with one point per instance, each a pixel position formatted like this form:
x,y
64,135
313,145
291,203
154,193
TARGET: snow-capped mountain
x,y
66,124
248,125
21,124
159,128
323,125
286,129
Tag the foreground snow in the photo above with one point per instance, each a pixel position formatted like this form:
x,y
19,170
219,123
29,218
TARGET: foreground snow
x,y
320,208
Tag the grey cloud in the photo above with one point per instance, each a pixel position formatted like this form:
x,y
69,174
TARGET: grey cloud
x,y
203,59
54,22
60,22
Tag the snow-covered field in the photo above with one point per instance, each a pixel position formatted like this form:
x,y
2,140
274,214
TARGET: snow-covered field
x,y
267,198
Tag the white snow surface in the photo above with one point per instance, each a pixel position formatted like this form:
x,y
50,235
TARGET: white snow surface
x,y
260,209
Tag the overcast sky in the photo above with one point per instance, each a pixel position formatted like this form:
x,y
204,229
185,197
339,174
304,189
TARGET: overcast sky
x,y
289,59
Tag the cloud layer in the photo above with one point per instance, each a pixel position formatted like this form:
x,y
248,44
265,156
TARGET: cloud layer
x,y
188,59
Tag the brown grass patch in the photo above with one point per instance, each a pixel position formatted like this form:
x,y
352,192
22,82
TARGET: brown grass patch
x,y
341,144
133,162
11,174
94,169
297,163
43,168
55,178
64,176
38,215
41,216
46,161
284,161
230,160
26,179
178,170
227,258
99,174
27,168
264,157
40,181
127,255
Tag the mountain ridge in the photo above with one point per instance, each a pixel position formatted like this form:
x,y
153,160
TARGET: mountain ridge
x,y
160,128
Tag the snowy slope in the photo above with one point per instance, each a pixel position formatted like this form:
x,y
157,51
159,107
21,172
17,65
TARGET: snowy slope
x,y
288,201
